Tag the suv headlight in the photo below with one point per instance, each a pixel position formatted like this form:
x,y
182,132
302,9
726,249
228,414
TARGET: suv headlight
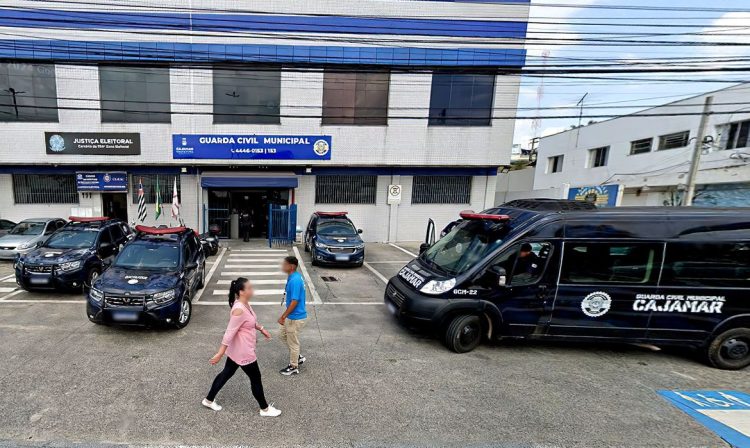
x,y
96,294
320,245
435,287
70,266
360,246
161,297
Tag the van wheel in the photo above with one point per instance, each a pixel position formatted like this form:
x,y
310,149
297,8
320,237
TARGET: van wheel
x,y
730,350
464,333
186,311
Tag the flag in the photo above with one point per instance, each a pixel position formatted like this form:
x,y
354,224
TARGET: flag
x,y
158,199
142,213
175,202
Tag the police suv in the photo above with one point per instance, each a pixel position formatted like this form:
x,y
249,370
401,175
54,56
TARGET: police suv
x,y
152,280
333,239
665,276
73,256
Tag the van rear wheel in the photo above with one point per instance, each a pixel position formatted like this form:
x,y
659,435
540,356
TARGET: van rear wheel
x,y
464,333
730,350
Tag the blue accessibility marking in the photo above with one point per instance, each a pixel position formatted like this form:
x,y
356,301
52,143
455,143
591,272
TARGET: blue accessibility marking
x,y
725,412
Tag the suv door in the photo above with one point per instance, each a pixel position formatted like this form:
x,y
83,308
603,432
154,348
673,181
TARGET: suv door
x,y
309,232
107,248
190,254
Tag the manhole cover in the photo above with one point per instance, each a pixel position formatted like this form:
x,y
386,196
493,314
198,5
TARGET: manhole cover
x,y
329,278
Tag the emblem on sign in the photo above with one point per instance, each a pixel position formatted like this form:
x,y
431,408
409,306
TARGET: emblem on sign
x,y
57,143
596,304
321,148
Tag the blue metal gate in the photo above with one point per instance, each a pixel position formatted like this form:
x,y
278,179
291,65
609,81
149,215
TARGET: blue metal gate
x,y
282,224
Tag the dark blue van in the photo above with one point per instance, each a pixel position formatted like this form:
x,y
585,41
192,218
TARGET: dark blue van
x,y
333,239
73,256
152,281
658,275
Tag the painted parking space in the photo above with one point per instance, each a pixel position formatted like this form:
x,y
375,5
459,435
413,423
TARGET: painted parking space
x,y
725,412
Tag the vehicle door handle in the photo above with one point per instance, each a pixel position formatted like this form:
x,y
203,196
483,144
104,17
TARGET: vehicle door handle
x,y
542,292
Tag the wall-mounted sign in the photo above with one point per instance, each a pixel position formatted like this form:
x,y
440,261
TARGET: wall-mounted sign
x,y
601,195
394,194
258,147
93,143
102,181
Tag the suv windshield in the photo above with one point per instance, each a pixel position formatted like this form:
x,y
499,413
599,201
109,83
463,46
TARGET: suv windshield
x,y
337,228
71,239
28,228
149,256
467,244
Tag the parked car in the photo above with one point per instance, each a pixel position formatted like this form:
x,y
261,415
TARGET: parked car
x,y
74,256
333,239
26,235
6,226
152,280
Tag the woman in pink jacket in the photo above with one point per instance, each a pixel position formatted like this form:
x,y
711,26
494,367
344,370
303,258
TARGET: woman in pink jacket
x,y
239,346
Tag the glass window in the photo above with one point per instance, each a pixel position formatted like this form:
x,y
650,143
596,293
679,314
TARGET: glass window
x,y
6,225
707,264
673,141
355,98
641,146
45,189
336,228
166,184
28,228
117,234
247,96
28,92
149,256
134,94
441,190
524,263
593,263
71,239
598,157
346,189
738,135
461,99
555,164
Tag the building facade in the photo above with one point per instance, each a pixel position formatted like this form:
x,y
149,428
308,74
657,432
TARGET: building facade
x,y
321,104
644,160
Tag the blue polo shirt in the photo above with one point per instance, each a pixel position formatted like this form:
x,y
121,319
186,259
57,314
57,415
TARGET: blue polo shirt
x,y
295,290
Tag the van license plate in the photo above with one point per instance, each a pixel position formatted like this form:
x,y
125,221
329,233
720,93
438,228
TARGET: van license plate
x,y
122,316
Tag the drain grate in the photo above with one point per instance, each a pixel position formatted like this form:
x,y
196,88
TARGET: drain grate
x,y
329,278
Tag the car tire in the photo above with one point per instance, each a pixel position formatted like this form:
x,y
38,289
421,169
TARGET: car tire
x,y
306,247
464,333
202,281
91,277
730,350
186,307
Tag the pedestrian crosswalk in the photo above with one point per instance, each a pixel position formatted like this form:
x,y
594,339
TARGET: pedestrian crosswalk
x,y
261,266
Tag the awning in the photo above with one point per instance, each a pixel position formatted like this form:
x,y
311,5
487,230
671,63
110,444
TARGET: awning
x,y
249,182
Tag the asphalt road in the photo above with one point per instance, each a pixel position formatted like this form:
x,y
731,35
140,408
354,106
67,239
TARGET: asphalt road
x,y
367,382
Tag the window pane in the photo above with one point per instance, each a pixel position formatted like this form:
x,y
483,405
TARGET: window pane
x,y
247,96
45,189
134,94
641,146
166,183
28,92
441,190
592,263
672,141
339,94
355,98
461,99
707,264
345,189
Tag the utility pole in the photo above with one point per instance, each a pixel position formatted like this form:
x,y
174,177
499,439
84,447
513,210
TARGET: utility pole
x,y
697,152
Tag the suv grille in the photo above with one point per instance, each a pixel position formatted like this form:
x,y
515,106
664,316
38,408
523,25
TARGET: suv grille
x,y
119,300
39,269
341,250
396,297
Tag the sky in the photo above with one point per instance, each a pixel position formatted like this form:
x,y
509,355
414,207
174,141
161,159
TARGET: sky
x,y
639,90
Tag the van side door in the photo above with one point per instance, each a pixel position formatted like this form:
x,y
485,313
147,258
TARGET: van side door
x,y
599,281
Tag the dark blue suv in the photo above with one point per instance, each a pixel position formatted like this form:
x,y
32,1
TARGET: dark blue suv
x,y
333,239
152,281
73,256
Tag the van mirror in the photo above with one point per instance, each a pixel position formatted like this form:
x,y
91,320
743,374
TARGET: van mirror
x,y
499,275
423,247
359,231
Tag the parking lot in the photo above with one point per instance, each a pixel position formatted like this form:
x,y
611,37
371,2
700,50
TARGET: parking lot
x,y
367,381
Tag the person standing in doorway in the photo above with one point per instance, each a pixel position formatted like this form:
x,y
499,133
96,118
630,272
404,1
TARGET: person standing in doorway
x,y
295,314
245,225
239,346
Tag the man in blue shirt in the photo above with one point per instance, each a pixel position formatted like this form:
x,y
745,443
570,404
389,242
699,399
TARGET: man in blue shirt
x,y
295,315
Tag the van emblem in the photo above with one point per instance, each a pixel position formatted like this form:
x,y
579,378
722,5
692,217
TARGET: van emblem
x,y
596,304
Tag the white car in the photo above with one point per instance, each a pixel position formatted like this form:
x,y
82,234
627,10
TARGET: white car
x,y
26,235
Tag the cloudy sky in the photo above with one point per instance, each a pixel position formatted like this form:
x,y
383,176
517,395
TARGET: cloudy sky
x,y
550,26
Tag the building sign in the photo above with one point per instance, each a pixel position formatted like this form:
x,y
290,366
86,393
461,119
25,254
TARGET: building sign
x,y
102,181
93,143
394,194
251,147
601,195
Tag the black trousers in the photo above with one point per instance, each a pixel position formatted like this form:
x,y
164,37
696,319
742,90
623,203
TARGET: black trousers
x,y
251,370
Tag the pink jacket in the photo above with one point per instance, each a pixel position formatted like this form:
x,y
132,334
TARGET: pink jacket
x,y
240,337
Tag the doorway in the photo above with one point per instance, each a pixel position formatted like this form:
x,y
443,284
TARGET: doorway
x,y
255,201
115,205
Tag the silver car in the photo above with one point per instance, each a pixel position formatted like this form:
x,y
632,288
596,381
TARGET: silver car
x,y
26,235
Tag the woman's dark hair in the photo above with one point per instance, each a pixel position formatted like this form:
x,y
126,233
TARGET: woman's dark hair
x,y
234,288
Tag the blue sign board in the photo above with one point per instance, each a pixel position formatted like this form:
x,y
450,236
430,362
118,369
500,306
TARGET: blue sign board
x,y
102,181
601,195
251,147
725,412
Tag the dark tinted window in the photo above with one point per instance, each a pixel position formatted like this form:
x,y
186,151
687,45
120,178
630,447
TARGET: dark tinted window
x,y
739,135
336,228
117,234
672,141
592,263
134,94
45,189
149,256
355,98
72,239
345,189
28,92
461,99
6,225
441,190
247,96
641,146
707,264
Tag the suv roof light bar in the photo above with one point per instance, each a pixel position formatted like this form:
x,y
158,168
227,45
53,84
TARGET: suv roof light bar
x,y
88,218
332,213
470,214
160,230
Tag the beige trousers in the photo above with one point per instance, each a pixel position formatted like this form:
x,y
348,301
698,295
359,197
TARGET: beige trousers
x,y
290,335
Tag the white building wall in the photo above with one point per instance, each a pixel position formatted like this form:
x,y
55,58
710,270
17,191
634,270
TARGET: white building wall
x,y
19,212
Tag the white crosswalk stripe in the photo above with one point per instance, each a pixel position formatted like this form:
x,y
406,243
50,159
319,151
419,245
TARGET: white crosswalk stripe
x,y
5,289
250,273
246,255
281,251
254,260
250,266
262,281
258,292
10,280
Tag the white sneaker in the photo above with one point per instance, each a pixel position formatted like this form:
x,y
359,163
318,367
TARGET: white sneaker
x,y
211,405
270,412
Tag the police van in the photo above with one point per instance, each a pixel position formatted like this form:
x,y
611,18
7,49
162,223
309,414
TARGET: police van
x,y
665,276
152,280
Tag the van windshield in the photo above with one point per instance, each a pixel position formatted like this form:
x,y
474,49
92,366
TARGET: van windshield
x,y
467,244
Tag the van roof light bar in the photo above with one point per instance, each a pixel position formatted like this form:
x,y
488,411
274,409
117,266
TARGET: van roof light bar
x,y
470,214
160,230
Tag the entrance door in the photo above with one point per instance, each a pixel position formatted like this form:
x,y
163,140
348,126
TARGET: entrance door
x,y
115,205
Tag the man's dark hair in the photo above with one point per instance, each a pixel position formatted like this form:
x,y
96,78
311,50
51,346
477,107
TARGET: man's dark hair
x,y
526,247
292,260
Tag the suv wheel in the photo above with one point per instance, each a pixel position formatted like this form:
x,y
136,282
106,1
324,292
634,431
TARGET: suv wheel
x,y
730,350
464,333
91,277
202,281
306,246
186,311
